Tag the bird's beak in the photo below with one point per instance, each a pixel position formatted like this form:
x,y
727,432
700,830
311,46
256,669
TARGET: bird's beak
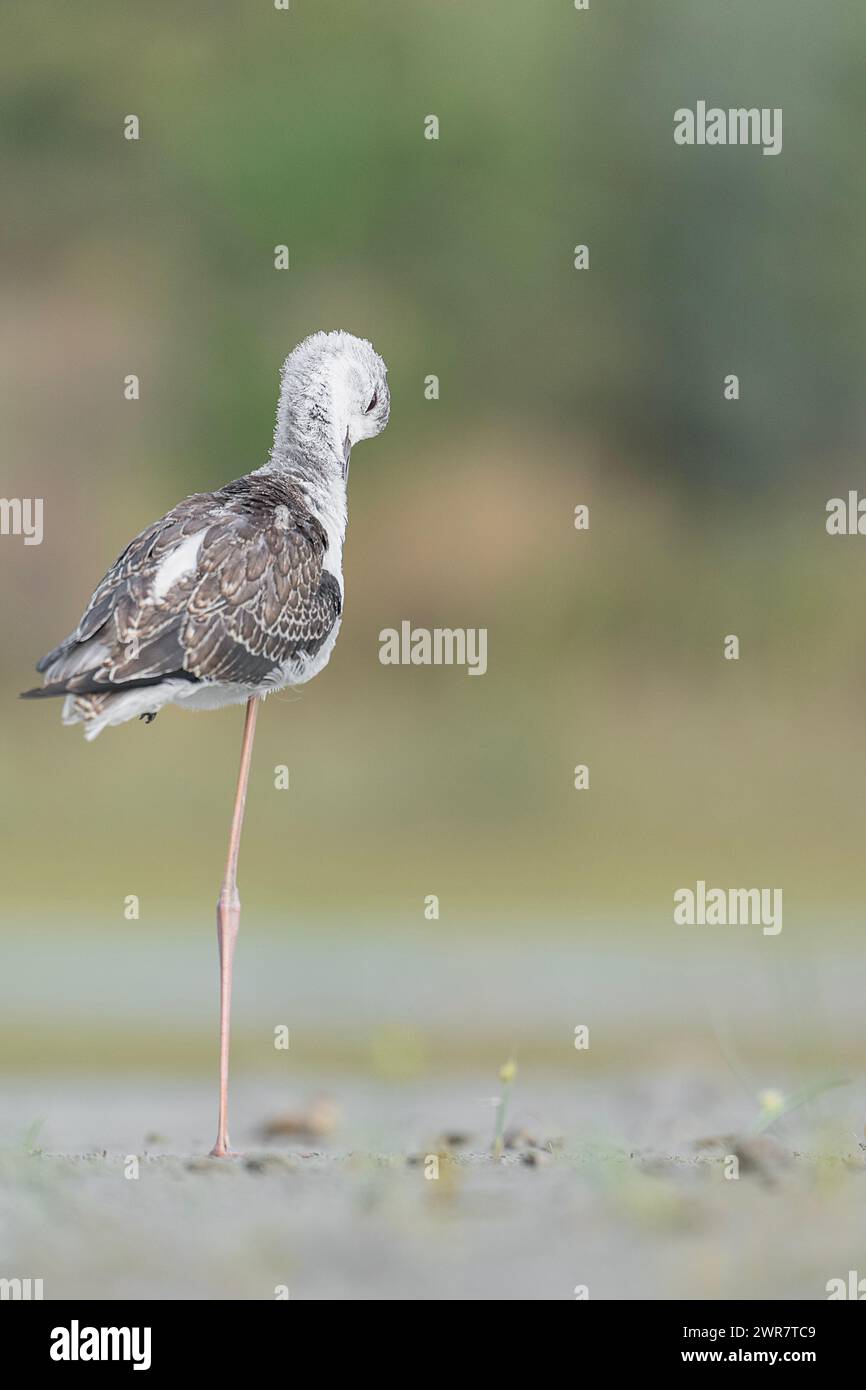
x,y
347,453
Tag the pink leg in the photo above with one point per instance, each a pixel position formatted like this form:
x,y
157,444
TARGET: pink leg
x,y
228,922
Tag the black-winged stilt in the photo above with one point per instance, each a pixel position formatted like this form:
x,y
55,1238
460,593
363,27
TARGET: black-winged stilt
x,y
234,593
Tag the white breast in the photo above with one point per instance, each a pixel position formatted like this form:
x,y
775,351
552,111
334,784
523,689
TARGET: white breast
x,y
331,512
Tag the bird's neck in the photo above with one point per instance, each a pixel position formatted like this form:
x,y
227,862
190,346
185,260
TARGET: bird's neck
x,y
321,483
310,426
309,437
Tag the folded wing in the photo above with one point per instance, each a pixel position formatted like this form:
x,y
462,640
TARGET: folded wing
x,y
227,588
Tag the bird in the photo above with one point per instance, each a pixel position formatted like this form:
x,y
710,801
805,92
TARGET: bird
x,y
233,594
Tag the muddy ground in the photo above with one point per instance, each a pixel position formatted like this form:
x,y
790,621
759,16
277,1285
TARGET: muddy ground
x,y
618,1185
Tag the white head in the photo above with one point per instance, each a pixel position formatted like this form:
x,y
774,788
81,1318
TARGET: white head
x,y
333,392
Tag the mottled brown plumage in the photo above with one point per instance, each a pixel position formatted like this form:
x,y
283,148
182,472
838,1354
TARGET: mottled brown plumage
x,y
258,597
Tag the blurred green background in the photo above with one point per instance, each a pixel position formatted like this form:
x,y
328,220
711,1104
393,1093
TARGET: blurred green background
x,y
558,387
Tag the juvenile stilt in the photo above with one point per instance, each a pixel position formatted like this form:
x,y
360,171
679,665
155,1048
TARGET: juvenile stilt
x,y
228,922
233,593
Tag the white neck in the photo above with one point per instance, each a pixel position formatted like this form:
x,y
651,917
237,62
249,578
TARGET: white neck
x,y
309,439
312,411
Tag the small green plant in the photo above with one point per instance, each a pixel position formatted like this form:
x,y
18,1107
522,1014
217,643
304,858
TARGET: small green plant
x,y
774,1104
29,1137
507,1073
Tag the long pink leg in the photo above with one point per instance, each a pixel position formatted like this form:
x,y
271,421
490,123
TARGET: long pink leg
x,y
228,922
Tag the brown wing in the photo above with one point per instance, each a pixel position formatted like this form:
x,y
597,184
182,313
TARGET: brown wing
x,y
258,597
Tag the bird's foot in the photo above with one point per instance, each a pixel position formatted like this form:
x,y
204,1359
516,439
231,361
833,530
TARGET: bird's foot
x,y
223,1151
148,717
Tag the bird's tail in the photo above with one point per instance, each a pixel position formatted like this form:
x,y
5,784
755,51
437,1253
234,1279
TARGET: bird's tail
x,y
79,672
91,710
72,670
45,692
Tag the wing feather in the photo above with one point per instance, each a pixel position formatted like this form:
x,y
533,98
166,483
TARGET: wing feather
x,y
258,596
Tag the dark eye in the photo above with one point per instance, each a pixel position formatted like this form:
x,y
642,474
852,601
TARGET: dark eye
x,y
374,402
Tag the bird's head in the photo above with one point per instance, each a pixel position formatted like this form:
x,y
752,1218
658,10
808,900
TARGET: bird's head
x,y
333,393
